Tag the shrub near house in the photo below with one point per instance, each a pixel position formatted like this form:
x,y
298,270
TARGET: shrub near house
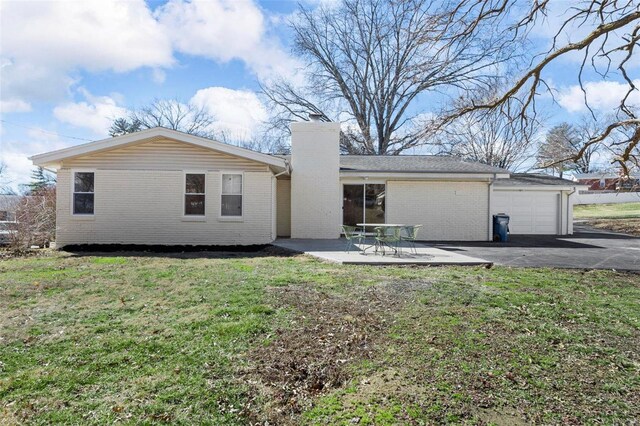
x,y
35,220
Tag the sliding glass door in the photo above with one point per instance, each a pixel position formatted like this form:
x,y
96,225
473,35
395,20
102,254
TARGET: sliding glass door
x,y
363,203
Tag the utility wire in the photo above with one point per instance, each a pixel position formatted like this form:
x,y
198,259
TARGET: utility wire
x,y
46,131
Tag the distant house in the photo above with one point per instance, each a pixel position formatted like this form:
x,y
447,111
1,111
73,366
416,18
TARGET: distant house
x,y
8,207
159,186
606,181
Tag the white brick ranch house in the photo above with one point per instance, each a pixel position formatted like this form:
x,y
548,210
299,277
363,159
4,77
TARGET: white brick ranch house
x,y
163,187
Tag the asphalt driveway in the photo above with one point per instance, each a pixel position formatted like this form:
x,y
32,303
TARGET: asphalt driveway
x,y
588,248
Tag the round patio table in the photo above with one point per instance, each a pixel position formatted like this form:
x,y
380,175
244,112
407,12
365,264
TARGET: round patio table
x,y
378,225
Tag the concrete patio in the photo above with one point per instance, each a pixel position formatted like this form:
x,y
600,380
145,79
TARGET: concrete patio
x,y
334,251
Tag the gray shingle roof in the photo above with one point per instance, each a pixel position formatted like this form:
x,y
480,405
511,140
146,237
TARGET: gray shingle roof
x,y
411,164
533,179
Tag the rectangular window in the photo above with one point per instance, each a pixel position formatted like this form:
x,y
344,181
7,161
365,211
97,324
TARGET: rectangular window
x,y
231,202
194,195
83,192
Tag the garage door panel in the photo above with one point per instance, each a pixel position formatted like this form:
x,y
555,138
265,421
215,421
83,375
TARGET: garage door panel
x,y
531,212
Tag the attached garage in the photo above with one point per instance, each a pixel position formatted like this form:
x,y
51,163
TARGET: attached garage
x,y
536,204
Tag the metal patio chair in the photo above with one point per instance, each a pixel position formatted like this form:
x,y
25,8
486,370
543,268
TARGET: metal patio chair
x,y
389,237
410,235
351,234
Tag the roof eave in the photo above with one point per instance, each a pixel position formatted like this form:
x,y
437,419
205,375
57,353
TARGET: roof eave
x,y
121,141
551,187
425,174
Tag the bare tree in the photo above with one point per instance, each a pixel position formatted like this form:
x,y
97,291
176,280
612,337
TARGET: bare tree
x,y
35,220
558,148
369,61
5,183
587,129
490,137
611,35
171,114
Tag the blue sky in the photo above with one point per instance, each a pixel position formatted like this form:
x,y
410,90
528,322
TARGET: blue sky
x,y
69,67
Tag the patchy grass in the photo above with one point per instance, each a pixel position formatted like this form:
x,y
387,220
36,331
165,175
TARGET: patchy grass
x,y
625,226
255,337
623,217
607,211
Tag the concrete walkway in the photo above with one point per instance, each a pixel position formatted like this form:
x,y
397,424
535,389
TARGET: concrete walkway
x,y
333,251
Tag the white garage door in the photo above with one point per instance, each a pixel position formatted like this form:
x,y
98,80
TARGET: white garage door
x,y
531,212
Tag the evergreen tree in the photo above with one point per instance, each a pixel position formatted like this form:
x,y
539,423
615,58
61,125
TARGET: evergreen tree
x,y
40,180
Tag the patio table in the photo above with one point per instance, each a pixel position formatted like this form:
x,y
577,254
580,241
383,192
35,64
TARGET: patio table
x,y
378,225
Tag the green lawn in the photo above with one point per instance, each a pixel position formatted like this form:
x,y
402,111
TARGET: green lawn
x,y
289,340
607,211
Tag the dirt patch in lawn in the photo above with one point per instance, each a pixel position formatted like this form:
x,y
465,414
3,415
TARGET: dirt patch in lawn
x,y
625,226
315,353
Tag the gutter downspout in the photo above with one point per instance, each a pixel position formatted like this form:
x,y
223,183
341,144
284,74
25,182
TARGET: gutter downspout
x,y
570,208
490,230
287,169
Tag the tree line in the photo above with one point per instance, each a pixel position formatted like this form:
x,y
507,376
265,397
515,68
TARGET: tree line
x,y
452,77
373,65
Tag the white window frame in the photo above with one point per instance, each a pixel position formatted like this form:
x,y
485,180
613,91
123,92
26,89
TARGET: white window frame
x,y
73,192
193,217
231,218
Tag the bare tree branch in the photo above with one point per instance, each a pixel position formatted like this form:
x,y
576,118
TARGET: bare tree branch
x,y
610,22
370,61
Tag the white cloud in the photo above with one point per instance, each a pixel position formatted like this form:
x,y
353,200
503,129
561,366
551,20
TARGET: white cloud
x,y
602,95
158,75
95,113
238,113
44,42
225,30
92,34
15,153
14,105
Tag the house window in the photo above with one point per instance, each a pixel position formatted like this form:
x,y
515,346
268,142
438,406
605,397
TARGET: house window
x,y
194,194
231,201
83,192
4,215
363,203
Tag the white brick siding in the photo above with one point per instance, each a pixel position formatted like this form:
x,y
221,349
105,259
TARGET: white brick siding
x,y
146,207
315,180
447,210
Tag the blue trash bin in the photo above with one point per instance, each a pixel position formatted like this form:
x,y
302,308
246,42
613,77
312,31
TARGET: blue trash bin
x,y
501,227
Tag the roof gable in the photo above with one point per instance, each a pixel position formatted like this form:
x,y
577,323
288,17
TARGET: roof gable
x,y
143,136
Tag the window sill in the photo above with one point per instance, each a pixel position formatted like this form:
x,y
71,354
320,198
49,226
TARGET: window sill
x,y
194,218
230,219
83,217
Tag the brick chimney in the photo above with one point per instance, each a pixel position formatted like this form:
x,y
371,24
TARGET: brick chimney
x,y
315,180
